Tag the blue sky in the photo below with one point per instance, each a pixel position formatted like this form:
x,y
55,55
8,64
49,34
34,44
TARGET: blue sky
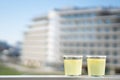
x,y
15,15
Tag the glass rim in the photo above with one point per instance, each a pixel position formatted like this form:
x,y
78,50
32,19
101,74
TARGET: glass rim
x,y
73,57
77,56
96,56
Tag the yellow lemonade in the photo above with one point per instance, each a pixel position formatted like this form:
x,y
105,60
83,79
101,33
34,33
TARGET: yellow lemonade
x,y
96,66
73,66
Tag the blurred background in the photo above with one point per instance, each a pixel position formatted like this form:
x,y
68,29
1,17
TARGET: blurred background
x,y
35,34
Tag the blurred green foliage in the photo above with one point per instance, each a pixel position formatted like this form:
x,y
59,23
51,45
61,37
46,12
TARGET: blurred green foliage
x,y
8,71
4,70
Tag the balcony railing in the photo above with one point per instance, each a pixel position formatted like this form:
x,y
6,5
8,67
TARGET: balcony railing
x,y
60,77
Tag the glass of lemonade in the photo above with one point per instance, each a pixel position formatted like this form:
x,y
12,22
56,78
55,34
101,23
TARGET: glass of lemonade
x,y
96,65
73,65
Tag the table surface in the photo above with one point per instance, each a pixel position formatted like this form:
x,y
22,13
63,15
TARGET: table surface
x,y
58,77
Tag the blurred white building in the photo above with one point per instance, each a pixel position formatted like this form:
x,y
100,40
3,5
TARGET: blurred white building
x,y
82,31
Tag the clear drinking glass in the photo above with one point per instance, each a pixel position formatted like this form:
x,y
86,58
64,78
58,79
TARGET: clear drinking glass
x,y
96,65
73,65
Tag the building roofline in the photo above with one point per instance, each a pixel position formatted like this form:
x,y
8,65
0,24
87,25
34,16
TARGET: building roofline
x,y
85,8
41,17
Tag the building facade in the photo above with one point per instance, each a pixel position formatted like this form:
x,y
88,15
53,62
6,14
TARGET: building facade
x,y
79,31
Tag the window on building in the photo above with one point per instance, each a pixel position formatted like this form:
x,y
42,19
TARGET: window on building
x,y
84,44
84,29
99,21
77,52
114,37
84,15
99,37
107,29
78,44
62,22
99,52
71,51
115,61
64,51
107,21
84,52
82,37
92,52
89,22
76,22
99,44
115,45
88,29
64,16
107,45
81,15
70,16
99,29
107,53
86,22
92,44
115,53
107,36
115,28
82,22
92,14
76,15
87,15
93,29
93,22
90,37
107,60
